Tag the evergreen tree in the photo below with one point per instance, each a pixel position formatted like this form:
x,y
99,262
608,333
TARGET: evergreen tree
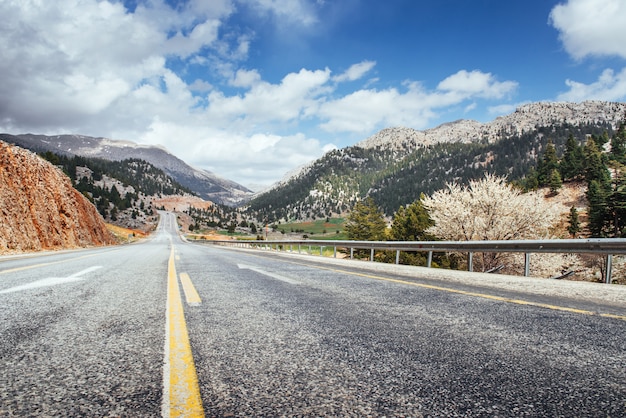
x,y
617,206
595,166
574,223
366,222
547,164
571,165
597,198
411,222
554,181
618,145
601,140
115,197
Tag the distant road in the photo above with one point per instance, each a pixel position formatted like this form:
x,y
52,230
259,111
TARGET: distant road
x,y
169,328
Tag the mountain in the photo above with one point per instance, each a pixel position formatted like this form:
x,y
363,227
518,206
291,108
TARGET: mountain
x,y
126,193
525,119
396,165
206,184
39,208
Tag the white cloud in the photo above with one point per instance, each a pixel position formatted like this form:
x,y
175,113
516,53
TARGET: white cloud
x,y
364,110
355,71
476,83
200,86
258,159
245,78
296,95
300,12
609,86
591,27
94,68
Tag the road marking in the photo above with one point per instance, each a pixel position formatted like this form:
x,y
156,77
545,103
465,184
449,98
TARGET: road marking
x,y
181,392
52,281
267,273
33,266
467,293
191,295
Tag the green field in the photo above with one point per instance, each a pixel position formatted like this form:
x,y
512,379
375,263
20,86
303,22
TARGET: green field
x,y
318,229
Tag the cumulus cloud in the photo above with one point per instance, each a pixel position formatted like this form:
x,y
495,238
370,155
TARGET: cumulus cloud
x,y
96,68
365,110
476,83
355,71
591,27
296,95
609,86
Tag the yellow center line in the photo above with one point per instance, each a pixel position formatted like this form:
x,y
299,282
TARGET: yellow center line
x,y
467,293
191,295
181,392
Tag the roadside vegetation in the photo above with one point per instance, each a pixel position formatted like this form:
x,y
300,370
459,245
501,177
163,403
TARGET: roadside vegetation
x,y
491,208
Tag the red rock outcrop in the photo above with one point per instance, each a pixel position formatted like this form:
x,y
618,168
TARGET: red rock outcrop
x,y
39,208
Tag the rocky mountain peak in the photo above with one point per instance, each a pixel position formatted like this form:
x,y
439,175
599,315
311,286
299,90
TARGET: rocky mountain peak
x,y
526,118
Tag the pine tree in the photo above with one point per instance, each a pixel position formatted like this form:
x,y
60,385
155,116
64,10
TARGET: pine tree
x,y
617,206
574,223
547,164
571,165
366,222
554,181
597,198
595,165
411,222
618,145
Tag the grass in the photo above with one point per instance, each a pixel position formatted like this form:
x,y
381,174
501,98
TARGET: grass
x,y
318,229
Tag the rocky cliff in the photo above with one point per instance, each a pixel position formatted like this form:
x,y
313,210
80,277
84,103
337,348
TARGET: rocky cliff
x,y
526,118
39,208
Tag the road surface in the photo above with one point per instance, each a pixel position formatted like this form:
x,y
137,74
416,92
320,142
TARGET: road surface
x,y
169,328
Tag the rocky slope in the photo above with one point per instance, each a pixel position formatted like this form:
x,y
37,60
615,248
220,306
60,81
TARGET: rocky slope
x,y
525,119
39,208
396,165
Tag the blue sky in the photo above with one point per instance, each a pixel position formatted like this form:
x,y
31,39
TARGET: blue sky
x,y
251,89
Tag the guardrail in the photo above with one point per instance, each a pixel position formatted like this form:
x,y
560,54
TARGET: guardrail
x,y
602,246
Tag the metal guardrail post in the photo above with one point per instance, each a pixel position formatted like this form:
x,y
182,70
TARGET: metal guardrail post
x,y
470,261
321,250
397,256
599,246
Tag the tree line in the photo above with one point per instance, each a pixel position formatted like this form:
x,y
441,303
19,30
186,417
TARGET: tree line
x,y
491,208
142,176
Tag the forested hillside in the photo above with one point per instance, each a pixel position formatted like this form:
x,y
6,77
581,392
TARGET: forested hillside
x,y
117,186
392,178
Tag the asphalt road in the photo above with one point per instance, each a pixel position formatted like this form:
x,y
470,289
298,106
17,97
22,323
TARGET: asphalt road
x,y
94,333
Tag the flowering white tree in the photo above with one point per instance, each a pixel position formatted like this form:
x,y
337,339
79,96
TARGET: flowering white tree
x,y
488,209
